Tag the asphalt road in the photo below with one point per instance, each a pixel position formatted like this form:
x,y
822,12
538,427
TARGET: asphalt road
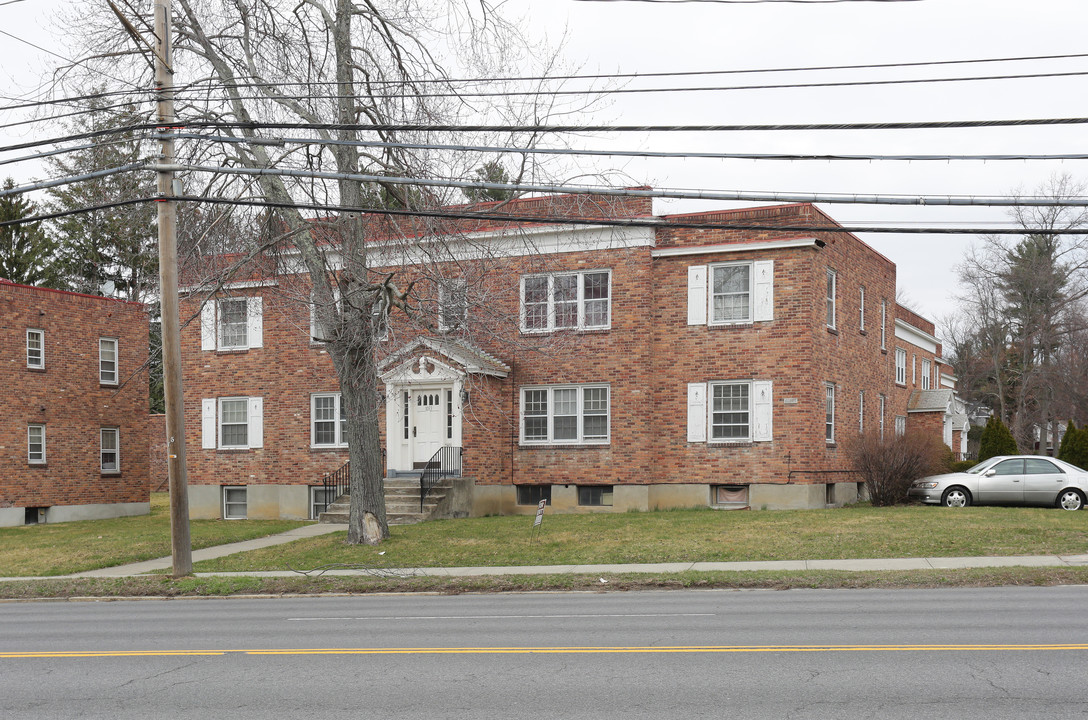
x,y
977,653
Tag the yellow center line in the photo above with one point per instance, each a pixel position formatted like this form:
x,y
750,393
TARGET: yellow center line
x,y
570,650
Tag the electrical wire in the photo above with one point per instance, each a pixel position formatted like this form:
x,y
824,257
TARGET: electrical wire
x,y
207,85
394,127
514,150
732,196
664,222
630,91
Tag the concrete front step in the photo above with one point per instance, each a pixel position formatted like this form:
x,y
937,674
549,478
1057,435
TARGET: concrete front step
x,y
401,503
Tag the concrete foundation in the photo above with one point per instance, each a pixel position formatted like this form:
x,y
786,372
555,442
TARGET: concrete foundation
x,y
11,517
470,499
263,502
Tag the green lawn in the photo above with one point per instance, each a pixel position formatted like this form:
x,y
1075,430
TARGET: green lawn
x,y
693,535
77,546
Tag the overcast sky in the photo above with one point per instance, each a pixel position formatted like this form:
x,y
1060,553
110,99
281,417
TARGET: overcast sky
x,y
659,37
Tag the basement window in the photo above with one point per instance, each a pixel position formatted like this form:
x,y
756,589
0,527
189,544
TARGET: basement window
x,y
595,495
320,499
533,494
730,496
234,503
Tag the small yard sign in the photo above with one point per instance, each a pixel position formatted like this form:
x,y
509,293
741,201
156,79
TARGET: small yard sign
x,y
539,518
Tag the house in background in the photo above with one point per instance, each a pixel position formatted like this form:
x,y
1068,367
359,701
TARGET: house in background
x,y
73,418
714,359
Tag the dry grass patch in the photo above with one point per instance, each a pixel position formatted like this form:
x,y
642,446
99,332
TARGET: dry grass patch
x,y
63,548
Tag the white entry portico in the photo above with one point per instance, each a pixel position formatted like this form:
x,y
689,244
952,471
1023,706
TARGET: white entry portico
x,y
426,385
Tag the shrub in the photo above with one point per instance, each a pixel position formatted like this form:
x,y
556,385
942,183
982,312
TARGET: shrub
x,y
888,466
1070,436
1078,448
996,440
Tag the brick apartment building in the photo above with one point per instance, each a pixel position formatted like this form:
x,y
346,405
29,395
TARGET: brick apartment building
x,y
73,419
682,363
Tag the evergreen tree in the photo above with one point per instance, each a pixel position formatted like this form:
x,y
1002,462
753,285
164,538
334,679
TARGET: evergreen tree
x,y
490,172
27,254
1078,449
109,250
1067,441
996,440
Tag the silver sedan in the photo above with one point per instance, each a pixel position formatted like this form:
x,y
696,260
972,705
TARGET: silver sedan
x,y
1007,480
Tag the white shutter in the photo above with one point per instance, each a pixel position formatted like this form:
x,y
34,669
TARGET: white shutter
x,y
697,297
207,326
696,412
762,411
207,424
254,316
764,290
256,422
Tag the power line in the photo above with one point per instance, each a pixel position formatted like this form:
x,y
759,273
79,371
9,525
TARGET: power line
x,y
197,85
633,91
514,150
394,127
664,222
65,59
732,196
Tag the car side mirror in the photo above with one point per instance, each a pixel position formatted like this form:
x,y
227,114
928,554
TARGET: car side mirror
x,y
990,473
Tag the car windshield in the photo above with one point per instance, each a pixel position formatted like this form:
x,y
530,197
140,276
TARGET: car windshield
x,y
980,467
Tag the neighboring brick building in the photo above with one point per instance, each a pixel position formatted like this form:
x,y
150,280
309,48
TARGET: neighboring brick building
x,y
73,417
623,367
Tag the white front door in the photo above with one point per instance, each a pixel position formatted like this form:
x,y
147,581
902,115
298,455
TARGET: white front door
x,y
428,419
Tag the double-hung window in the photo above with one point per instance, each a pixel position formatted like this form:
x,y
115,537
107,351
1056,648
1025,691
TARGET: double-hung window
x,y
566,301
328,424
883,324
900,366
565,415
926,372
731,293
234,323
731,411
452,304
110,455
900,425
831,282
829,413
861,308
35,349
107,361
232,423
35,444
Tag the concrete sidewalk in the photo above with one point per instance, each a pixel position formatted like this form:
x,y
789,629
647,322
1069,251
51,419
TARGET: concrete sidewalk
x,y
939,563
218,551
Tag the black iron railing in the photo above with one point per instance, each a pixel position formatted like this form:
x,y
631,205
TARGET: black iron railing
x,y
334,485
445,463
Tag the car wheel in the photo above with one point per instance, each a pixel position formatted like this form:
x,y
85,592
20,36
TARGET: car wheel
x,y
956,497
1071,500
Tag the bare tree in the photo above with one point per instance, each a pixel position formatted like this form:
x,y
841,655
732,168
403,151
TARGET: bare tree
x,y
323,72
1025,304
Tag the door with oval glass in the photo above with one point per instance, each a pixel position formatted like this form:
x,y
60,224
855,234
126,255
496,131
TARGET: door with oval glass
x,y
428,410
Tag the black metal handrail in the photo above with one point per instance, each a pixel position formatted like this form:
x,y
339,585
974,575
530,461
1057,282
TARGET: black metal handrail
x,y
443,464
337,483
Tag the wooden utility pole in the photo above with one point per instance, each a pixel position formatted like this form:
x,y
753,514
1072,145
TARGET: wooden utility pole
x,y
180,546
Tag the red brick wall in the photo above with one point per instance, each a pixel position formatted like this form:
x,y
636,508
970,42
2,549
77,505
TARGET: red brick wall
x,y
67,398
648,357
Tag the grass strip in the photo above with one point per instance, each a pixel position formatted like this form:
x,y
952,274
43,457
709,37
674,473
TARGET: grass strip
x,y
163,587
701,535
